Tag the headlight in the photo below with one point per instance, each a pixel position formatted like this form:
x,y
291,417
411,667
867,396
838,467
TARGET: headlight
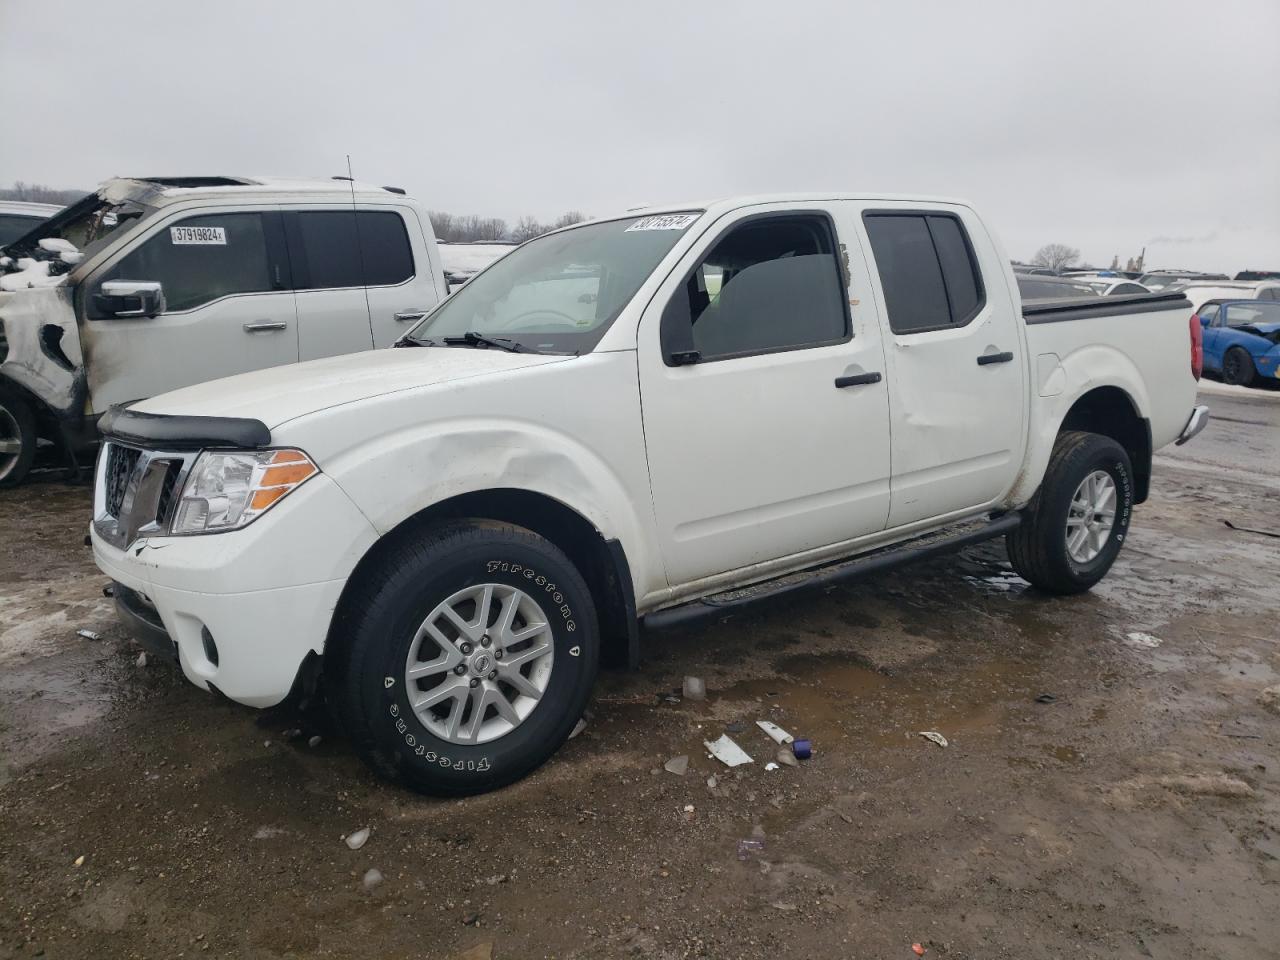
x,y
228,490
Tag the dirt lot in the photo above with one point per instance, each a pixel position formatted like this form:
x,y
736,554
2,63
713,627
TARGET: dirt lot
x,y
1135,812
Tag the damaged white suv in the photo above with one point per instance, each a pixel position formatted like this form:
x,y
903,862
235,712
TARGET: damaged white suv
x,y
636,420
152,284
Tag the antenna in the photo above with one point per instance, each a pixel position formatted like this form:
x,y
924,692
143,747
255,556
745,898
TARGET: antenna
x,y
364,275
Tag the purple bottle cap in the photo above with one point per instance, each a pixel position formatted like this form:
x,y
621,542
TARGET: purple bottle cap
x,y
802,749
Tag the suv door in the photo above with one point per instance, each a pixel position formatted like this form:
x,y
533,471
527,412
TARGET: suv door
x,y
957,383
765,415
229,306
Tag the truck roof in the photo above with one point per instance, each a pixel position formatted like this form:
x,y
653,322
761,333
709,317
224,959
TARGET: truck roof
x,y
746,200
159,191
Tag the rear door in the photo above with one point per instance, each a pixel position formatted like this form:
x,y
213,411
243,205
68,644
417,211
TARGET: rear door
x,y
954,357
229,307
765,412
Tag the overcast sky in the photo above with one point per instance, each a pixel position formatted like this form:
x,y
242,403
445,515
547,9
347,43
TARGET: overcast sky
x,y
1104,125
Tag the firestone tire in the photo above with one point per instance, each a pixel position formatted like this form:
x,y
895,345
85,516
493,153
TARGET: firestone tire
x,y
382,631
1039,548
17,429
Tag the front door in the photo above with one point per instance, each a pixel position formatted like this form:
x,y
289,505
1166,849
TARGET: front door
x,y
765,413
229,307
955,362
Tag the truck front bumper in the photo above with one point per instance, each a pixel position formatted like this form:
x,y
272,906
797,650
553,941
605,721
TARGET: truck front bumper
x,y
1198,421
241,610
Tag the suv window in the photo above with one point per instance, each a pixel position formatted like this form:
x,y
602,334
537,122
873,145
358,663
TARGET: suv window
x,y
325,247
927,268
767,285
201,259
1210,312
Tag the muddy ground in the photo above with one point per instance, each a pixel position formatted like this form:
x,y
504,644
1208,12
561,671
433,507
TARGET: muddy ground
x,y
1102,795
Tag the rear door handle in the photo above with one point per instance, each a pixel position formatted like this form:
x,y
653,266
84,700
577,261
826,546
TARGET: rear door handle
x,y
410,316
857,379
263,325
994,358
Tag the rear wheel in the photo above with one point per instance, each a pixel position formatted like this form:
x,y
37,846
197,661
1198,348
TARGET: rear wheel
x,y
1075,525
17,438
465,658
1237,367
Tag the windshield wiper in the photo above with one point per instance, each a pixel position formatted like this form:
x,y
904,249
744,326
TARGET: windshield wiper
x,y
414,342
473,339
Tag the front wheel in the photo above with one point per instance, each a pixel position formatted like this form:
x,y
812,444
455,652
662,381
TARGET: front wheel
x,y
1075,525
17,438
1237,367
464,658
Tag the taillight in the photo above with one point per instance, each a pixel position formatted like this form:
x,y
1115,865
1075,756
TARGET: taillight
x,y
1197,346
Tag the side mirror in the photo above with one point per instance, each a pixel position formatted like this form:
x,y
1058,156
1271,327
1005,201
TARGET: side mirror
x,y
130,298
1204,321
676,332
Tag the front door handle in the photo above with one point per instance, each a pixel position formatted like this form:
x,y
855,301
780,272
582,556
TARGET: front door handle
x,y
994,358
410,316
857,379
263,325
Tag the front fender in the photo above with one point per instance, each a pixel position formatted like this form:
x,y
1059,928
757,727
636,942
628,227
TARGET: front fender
x,y
42,347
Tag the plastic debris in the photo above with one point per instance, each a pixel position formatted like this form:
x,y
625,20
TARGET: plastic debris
x,y
358,838
669,697
1143,640
1263,533
776,732
88,635
918,949
142,660
748,847
771,766
934,736
802,749
712,782
578,727
677,765
726,751
787,757
80,860
694,688
689,812
736,727
372,877
314,742
785,907
1046,698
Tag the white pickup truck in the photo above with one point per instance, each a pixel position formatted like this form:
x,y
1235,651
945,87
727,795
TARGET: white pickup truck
x,y
624,423
152,284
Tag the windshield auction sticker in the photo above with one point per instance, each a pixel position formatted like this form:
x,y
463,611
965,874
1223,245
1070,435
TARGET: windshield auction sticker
x,y
187,236
670,221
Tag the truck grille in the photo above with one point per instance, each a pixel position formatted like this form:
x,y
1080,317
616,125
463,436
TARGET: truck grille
x,y
137,492
119,468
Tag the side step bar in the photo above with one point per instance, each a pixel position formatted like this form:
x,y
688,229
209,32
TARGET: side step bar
x,y
842,571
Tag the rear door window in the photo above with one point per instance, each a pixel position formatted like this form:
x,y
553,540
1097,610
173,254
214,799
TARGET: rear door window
x,y
927,268
332,249
201,259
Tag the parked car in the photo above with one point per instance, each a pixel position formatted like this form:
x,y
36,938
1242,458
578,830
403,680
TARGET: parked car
x,y
1112,286
1159,279
1241,340
18,217
1258,275
1201,293
462,261
648,418
152,284
1034,287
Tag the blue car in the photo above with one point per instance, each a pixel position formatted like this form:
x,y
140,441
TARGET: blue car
x,y
1241,340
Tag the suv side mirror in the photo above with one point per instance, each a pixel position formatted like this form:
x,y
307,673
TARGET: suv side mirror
x,y
130,298
1204,321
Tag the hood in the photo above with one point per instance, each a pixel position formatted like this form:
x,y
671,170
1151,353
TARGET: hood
x,y
283,393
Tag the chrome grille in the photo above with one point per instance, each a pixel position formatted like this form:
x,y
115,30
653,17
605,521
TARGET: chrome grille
x,y
168,489
118,470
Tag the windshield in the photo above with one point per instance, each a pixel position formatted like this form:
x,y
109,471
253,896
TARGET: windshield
x,y
558,293
1238,314
87,224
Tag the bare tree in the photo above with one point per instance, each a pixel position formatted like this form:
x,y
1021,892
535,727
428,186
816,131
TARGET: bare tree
x,y
39,193
442,224
569,219
527,228
1056,256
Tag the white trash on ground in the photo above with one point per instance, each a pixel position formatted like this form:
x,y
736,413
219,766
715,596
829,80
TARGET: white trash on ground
x,y
776,732
357,838
726,751
934,736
